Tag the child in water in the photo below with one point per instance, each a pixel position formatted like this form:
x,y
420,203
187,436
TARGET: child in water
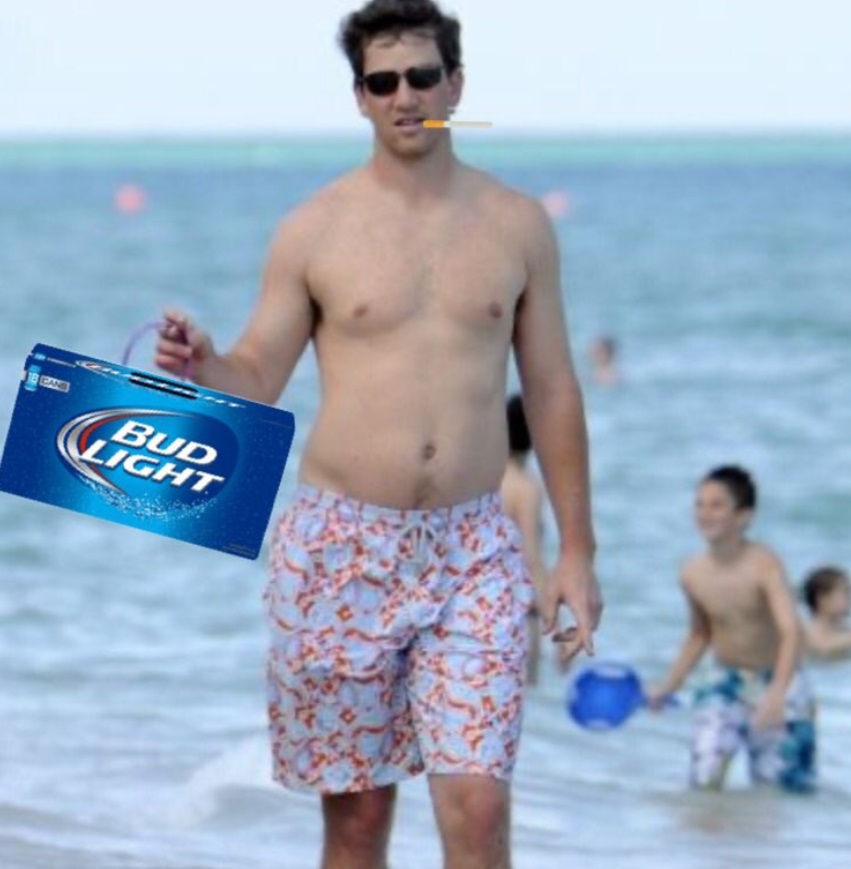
x,y
743,611
827,593
523,498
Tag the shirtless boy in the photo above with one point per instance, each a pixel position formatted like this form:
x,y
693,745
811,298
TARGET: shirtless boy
x,y
827,594
743,610
398,595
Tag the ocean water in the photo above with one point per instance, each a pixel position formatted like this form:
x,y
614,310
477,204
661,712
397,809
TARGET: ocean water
x,y
131,666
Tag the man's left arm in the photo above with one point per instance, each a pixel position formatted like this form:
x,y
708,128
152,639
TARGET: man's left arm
x,y
552,400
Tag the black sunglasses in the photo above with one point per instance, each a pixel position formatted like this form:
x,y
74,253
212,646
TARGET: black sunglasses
x,y
382,84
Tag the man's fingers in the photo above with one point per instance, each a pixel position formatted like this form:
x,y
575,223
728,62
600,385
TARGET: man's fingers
x,y
575,639
569,645
597,613
566,653
586,636
175,328
568,635
548,615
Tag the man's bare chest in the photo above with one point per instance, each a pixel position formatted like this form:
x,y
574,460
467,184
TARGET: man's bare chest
x,y
365,282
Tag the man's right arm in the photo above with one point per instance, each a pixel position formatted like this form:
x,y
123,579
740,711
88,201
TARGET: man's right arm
x,y
262,360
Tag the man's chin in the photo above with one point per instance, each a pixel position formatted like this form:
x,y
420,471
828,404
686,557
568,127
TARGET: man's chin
x,y
408,149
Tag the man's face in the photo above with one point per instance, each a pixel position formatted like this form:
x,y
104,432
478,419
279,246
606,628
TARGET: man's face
x,y
397,117
716,515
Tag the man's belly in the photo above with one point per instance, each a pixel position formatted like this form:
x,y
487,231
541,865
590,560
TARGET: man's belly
x,y
405,465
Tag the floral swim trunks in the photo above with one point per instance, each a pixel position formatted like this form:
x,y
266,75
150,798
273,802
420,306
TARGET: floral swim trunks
x,y
398,642
724,705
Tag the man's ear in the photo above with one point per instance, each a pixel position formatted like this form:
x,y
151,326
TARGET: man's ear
x,y
358,92
456,89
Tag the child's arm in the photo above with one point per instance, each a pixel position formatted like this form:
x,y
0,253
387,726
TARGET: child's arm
x,y
781,603
695,644
835,645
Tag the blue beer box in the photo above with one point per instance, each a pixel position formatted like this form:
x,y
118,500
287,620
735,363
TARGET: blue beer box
x,y
142,450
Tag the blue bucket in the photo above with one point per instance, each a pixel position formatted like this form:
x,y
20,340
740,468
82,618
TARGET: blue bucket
x,y
604,695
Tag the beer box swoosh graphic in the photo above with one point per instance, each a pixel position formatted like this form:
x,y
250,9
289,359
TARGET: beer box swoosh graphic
x,y
175,458
77,432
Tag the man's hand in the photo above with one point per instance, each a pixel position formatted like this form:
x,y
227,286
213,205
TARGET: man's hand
x,y
574,584
182,347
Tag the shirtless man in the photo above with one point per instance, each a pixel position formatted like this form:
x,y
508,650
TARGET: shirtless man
x,y
744,611
398,595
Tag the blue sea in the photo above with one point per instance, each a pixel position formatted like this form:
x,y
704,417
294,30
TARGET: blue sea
x,y
131,666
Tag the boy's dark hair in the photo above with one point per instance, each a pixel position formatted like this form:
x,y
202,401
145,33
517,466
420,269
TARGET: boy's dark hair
x,y
820,582
738,483
396,17
519,439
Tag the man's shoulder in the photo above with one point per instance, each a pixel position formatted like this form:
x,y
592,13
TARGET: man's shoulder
x,y
321,206
514,204
311,220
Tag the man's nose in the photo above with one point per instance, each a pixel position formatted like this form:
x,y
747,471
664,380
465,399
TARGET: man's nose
x,y
405,94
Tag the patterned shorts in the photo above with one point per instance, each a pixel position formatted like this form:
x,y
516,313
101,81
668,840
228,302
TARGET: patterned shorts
x,y
782,756
398,642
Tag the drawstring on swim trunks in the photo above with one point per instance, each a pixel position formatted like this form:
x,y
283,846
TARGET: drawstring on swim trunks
x,y
422,536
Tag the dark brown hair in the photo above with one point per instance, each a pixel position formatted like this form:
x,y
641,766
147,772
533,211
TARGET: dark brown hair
x,y
738,482
396,17
820,582
519,439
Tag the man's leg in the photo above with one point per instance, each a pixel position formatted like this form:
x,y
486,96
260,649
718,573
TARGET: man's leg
x,y
473,816
357,829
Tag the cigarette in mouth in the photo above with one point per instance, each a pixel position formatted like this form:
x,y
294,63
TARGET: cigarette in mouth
x,y
437,125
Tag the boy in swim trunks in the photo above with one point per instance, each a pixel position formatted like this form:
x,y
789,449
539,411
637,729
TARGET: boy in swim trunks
x,y
743,610
398,594
827,593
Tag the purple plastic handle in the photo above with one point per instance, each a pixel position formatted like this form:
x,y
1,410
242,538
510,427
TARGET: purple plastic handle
x,y
134,339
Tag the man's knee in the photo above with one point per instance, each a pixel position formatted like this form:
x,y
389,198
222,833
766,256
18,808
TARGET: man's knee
x,y
359,822
475,810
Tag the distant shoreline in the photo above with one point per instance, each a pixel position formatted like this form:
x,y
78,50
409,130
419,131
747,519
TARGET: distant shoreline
x,y
487,147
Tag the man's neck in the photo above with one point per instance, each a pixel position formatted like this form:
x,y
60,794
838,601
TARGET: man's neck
x,y
422,178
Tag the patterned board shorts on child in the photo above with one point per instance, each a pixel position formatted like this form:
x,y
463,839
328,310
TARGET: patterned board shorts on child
x,y
724,706
398,642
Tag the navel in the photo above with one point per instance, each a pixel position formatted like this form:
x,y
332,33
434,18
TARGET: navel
x,y
495,310
429,451
360,311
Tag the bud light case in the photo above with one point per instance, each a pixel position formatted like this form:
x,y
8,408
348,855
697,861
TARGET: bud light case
x,y
157,454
